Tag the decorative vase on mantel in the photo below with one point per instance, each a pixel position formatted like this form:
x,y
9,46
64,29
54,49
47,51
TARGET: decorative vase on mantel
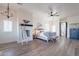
x,y
26,21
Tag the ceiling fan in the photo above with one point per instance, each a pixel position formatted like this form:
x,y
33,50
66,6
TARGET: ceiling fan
x,y
53,12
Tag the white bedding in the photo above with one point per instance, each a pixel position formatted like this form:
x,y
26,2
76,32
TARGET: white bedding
x,y
45,35
42,36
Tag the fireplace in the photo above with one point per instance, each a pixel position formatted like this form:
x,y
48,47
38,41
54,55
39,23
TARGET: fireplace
x,y
28,33
25,33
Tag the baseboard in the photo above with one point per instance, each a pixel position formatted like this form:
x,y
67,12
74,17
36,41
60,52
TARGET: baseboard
x,y
9,42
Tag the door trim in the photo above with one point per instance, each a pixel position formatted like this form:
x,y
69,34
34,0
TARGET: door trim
x,y
66,28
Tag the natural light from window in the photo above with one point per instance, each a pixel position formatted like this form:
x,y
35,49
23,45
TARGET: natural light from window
x,y
46,27
53,28
7,26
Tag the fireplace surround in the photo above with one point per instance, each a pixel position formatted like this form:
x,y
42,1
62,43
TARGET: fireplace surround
x,y
25,34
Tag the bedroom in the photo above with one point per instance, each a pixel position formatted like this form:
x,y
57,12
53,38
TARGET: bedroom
x,y
20,22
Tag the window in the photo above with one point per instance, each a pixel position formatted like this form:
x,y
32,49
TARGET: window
x,y
7,26
46,27
53,28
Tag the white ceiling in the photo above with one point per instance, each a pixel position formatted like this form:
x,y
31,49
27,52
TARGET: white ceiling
x,y
64,9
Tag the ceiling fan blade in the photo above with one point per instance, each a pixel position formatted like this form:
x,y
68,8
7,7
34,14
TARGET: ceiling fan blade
x,y
54,15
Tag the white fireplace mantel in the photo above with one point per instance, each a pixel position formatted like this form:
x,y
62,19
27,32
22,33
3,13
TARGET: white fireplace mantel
x,y
25,33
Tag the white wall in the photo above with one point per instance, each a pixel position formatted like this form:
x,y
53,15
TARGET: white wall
x,y
8,36
19,15
42,18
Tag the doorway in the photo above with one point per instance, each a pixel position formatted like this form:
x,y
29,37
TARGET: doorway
x,y
63,29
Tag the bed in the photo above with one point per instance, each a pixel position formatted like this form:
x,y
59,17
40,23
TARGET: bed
x,y
45,35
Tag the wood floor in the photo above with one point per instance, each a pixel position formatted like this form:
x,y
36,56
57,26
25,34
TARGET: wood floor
x,y
62,47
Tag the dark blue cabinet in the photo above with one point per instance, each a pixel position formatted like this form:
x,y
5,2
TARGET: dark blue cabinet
x,y
74,33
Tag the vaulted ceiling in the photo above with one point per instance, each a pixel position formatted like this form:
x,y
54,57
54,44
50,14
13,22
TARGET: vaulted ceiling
x,y
63,9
